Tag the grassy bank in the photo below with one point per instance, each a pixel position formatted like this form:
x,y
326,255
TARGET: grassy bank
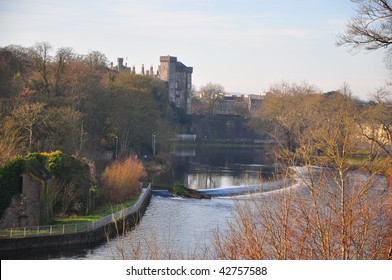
x,y
100,213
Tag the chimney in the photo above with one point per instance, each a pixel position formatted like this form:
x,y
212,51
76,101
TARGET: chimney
x,y
133,69
151,71
142,69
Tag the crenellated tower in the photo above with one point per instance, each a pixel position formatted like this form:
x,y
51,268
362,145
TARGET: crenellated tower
x,y
179,81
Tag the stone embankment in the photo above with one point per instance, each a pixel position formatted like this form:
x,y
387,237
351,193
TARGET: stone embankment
x,y
91,233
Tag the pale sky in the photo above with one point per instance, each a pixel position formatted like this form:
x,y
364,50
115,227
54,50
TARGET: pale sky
x,y
245,45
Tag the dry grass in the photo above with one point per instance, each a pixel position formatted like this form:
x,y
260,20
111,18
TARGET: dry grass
x,y
122,179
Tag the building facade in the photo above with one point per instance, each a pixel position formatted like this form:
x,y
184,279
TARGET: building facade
x,y
179,81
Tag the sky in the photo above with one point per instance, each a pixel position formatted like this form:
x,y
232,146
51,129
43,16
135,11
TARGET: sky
x,y
246,45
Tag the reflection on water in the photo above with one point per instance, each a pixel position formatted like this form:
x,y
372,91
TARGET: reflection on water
x,y
207,168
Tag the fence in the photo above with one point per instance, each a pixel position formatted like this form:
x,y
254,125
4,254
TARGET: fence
x,y
75,228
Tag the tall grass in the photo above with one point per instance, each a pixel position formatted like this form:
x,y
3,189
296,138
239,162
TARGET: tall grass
x,y
122,178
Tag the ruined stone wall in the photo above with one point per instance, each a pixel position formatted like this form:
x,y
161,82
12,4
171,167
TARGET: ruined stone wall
x,y
30,208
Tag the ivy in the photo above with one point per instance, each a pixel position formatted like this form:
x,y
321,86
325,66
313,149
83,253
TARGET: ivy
x,y
67,170
39,156
10,173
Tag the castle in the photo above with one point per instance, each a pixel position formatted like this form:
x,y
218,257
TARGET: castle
x,y
179,81
177,76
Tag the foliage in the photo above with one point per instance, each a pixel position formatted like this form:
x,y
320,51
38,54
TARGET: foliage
x,y
211,93
121,179
178,190
70,190
63,130
376,123
77,104
288,109
332,125
181,190
97,214
10,173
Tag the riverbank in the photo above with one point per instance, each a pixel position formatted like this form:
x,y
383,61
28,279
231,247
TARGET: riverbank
x,y
99,213
84,234
224,143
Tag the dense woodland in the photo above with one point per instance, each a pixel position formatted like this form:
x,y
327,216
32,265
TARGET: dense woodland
x,y
77,107
60,100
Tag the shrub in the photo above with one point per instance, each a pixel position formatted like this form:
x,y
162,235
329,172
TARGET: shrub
x,y
10,173
122,179
70,192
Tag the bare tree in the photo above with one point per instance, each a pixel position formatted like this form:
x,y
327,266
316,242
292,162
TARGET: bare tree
x,y
287,111
320,213
41,60
96,59
211,93
29,117
370,28
376,123
62,58
323,212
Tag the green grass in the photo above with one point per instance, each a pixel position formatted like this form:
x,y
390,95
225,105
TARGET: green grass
x,y
99,213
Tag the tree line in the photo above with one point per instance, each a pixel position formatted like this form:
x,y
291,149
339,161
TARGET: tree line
x,y
60,100
299,114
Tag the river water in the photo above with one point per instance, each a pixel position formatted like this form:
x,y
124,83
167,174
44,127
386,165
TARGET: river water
x,y
178,228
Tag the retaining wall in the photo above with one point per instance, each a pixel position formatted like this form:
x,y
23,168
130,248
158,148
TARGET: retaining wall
x,y
113,225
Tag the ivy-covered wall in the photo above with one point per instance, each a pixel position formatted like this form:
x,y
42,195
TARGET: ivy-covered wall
x,y
68,191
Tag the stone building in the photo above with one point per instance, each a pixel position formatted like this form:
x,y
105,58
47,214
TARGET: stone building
x,y
179,81
177,76
32,207
120,67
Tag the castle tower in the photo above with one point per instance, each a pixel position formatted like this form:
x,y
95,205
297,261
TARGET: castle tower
x,y
120,62
179,81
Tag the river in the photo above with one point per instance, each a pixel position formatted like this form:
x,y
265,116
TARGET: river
x,y
177,228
